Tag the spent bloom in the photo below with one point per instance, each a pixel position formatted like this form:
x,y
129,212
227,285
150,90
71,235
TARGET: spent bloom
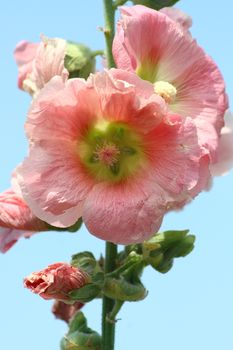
x,y
16,220
56,281
39,62
64,311
155,46
107,151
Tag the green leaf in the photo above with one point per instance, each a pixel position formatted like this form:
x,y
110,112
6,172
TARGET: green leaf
x,y
86,293
155,4
73,228
121,289
85,261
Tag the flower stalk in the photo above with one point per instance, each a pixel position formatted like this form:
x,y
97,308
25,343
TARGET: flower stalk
x,y
108,328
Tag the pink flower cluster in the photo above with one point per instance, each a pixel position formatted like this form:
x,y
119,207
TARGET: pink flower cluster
x,y
129,144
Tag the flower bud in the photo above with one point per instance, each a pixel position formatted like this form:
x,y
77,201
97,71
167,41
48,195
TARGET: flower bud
x,y
155,4
56,281
121,289
64,311
80,336
79,60
161,249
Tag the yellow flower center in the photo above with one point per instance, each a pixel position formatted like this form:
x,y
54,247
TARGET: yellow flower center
x,y
111,151
166,90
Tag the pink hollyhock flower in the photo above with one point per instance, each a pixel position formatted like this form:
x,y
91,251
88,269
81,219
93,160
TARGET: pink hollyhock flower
x,y
224,160
106,150
56,281
154,46
178,16
39,62
64,311
16,220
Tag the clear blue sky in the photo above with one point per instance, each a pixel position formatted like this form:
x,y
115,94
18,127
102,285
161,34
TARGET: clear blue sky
x,y
189,308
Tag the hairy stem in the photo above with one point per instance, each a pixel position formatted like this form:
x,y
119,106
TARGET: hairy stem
x,y
108,327
109,29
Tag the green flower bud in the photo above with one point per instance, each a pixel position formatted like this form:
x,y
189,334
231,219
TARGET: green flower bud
x,y
155,4
160,250
80,337
79,60
121,289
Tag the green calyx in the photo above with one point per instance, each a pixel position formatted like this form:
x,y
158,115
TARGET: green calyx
x,y
79,60
111,151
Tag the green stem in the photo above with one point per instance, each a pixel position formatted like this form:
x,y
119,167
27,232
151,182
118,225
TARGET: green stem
x,y
119,3
97,53
108,327
109,29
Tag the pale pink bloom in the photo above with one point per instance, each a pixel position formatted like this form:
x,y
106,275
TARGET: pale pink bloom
x,y
16,220
106,150
56,281
39,62
184,20
64,311
158,50
224,160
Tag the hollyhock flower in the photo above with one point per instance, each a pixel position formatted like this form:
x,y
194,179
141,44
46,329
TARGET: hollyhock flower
x,y
39,62
224,160
16,220
64,311
107,151
56,281
149,43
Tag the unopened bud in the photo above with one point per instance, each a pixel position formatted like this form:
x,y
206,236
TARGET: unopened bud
x,y
80,336
79,60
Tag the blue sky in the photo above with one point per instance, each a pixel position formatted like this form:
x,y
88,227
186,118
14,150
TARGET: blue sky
x,y
189,308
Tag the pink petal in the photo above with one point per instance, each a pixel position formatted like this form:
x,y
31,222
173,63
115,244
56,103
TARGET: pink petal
x,y
16,220
124,214
176,155
24,54
9,236
49,62
54,184
224,160
118,92
178,16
